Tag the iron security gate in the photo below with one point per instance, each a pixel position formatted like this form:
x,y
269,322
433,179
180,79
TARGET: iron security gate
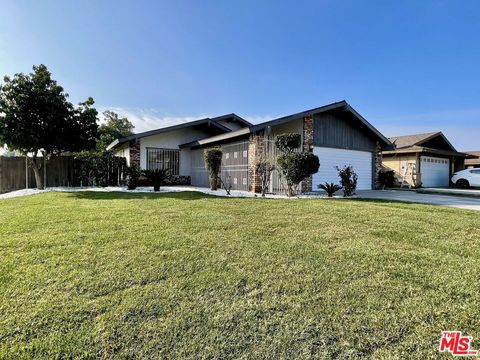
x,y
277,184
234,168
199,172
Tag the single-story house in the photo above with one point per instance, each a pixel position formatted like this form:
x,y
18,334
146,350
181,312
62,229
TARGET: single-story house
x,y
337,133
474,161
427,160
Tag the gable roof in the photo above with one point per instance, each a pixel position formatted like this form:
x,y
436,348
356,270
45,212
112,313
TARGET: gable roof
x,y
411,140
343,105
419,139
417,143
208,122
474,159
234,117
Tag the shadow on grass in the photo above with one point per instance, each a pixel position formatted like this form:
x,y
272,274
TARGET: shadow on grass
x,y
194,195
118,195
401,203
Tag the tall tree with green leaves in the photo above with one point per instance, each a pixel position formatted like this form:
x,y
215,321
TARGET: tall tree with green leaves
x,y
37,118
113,128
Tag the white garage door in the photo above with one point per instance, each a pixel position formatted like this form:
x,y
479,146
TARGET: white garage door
x,y
435,171
330,158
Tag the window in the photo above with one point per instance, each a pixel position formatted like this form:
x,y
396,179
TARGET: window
x,y
477,172
163,159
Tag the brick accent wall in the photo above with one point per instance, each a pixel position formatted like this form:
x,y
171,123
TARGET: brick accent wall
x,y
135,153
307,147
256,147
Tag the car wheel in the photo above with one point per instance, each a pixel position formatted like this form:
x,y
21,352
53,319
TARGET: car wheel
x,y
462,184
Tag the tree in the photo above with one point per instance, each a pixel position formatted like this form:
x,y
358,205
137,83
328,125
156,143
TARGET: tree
x,y
213,162
36,117
113,128
294,166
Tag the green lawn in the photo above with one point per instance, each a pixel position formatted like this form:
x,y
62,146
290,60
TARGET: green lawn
x,y
190,276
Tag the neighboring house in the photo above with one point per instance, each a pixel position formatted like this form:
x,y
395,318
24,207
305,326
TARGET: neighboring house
x,y
427,160
335,132
474,161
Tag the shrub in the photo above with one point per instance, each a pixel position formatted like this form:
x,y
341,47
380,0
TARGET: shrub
x,y
330,189
157,177
133,174
288,143
386,178
348,179
264,167
213,162
295,167
99,168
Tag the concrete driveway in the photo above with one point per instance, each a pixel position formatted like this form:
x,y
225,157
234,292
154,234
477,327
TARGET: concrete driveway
x,y
433,199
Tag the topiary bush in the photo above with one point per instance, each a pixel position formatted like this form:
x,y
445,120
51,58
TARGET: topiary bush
x,y
348,179
213,163
295,167
288,143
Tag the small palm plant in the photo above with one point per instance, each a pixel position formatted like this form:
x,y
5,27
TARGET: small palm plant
x,y
157,177
330,189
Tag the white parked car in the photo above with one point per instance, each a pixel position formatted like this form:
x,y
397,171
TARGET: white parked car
x,y
466,178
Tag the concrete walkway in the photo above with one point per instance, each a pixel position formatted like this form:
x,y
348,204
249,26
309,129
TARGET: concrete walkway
x,y
461,202
451,191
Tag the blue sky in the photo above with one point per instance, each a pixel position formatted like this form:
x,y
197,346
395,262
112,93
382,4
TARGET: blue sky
x,y
407,66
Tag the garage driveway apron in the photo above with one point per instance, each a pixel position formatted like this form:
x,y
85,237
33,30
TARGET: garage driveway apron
x,y
411,196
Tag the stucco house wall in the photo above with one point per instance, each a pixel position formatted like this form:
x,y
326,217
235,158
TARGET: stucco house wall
x,y
172,140
395,163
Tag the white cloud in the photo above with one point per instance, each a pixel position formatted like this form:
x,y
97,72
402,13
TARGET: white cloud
x,y
145,120
462,127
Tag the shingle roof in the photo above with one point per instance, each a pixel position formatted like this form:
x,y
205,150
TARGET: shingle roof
x,y
411,140
473,161
213,122
254,128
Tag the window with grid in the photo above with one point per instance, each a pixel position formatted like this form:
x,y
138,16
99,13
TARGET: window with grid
x,y
163,159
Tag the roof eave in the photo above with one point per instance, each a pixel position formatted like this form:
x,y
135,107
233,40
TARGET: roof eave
x,y
217,138
114,144
417,149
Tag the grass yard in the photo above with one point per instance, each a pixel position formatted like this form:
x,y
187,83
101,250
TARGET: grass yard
x,y
190,276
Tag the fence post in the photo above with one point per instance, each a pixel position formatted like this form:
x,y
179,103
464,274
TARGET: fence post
x,y
44,171
26,171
